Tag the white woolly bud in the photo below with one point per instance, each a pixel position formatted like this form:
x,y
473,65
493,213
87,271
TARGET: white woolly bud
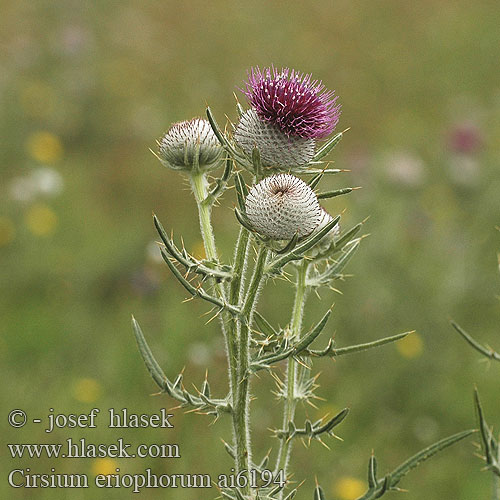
x,y
190,143
281,206
275,147
327,240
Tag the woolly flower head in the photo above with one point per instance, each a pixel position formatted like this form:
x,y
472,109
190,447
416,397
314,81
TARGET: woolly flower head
x,y
328,239
296,104
190,144
275,148
281,206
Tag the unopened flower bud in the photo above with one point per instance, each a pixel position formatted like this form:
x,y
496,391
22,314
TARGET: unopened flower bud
x,y
281,206
190,144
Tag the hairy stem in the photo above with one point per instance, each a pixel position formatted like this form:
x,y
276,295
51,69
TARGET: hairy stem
x,y
236,291
241,417
199,184
293,371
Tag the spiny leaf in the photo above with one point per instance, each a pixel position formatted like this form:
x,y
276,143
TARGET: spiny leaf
x,y
328,146
340,351
332,423
312,335
299,251
151,364
390,481
399,472
335,269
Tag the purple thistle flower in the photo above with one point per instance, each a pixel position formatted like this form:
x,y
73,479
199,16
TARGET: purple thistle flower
x,y
293,102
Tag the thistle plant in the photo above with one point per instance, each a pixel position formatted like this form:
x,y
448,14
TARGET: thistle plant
x,y
283,233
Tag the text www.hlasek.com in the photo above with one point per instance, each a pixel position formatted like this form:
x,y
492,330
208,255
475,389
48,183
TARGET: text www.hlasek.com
x,y
81,449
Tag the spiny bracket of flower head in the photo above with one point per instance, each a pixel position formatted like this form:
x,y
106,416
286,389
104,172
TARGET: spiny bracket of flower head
x,y
289,111
190,145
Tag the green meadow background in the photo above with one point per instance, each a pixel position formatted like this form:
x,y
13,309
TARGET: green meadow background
x,y
87,87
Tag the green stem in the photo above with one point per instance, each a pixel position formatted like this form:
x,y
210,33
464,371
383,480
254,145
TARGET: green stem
x,y
236,291
199,185
294,371
241,417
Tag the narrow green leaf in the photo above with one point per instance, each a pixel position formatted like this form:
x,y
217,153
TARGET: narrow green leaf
x,y
230,450
347,236
486,436
314,181
399,472
151,364
337,267
307,339
243,220
332,423
318,493
328,146
489,353
372,472
386,483
239,495
264,326
241,190
222,138
334,193
257,164
340,351
289,246
314,171
299,251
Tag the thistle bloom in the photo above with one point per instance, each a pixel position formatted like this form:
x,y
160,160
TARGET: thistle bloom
x,y
297,105
281,206
289,111
190,144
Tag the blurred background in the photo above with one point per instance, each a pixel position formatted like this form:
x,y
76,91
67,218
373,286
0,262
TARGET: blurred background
x,y
87,87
